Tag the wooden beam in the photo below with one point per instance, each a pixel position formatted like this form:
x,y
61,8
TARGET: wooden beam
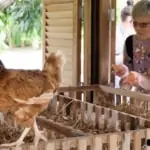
x,y
87,41
107,41
113,37
60,128
43,33
103,40
76,42
118,91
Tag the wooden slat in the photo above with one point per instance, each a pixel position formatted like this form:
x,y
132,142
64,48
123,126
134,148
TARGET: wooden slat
x,y
59,7
87,41
50,146
103,41
115,118
43,34
122,92
59,29
78,89
148,137
67,74
56,48
48,2
62,30
89,112
59,22
66,145
76,49
60,14
107,113
82,144
60,42
113,142
126,141
97,143
138,135
65,36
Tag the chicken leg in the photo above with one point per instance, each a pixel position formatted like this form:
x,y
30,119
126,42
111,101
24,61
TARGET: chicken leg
x,y
19,142
38,134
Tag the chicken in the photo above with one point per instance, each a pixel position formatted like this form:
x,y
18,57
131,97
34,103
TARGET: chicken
x,y
138,80
120,70
2,68
24,84
23,93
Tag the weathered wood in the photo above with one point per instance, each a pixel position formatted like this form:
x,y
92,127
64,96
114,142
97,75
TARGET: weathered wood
x,y
123,129
59,127
87,41
61,31
78,88
122,92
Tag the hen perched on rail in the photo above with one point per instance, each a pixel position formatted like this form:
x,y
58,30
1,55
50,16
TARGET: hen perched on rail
x,y
24,93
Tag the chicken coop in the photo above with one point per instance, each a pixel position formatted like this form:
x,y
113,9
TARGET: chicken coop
x,y
83,114
73,123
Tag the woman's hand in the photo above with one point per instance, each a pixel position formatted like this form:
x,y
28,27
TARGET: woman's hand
x,y
121,70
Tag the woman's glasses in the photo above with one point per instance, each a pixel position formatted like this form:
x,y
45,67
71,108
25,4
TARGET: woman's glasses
x,y
141,25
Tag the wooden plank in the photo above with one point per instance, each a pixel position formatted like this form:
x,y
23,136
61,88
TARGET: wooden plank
x,y
76,51
113,142
59,7
87,41
65,50
126,141
59,22
59,42
137,141
78,88
147,138
65,36
48,2
113,36
60,14
89,112
82,144
103,42
83,110
50,146
123,92
106,41
66,145
137,136
107,113
98,114
62,29
115,120
141,122
59,29
97,143
43,34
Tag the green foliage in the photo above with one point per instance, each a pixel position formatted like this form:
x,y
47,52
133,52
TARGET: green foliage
x,y
27,13
22,22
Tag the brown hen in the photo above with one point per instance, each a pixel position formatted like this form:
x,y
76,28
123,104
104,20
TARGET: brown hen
x,y
25,93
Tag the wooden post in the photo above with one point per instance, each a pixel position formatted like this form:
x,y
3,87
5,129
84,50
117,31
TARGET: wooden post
x,y
107,41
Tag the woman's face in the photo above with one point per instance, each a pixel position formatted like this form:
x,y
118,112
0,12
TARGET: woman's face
x,y
142,27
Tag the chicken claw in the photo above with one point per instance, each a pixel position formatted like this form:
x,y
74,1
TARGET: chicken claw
x,y
19,142
38,135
